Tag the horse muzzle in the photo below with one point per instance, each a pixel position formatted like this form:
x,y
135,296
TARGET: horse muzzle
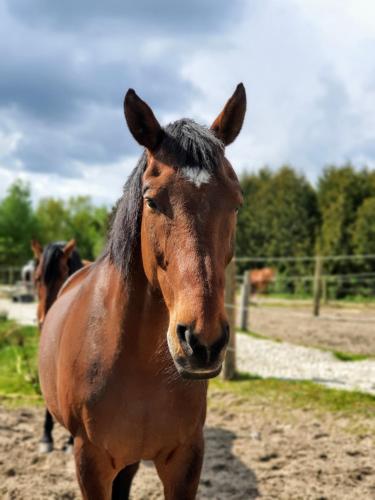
x,y
196,360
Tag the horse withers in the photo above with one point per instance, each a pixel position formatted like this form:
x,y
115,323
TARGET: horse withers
x,y
53,266
128,346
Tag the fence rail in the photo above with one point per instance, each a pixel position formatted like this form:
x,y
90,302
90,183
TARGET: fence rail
x,y
306,258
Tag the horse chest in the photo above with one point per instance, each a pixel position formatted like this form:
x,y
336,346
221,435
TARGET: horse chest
x,y
143,419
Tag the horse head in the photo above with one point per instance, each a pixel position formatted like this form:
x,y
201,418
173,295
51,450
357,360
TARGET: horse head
x,y
189,195
53,266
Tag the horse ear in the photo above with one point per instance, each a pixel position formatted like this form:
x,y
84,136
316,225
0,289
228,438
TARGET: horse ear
x,y
36,248
142,122
68,248
228,124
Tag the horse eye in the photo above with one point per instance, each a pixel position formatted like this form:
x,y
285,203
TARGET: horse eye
x,y
151,203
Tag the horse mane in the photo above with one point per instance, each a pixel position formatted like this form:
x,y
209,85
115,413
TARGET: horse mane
x,y
51,257
185,144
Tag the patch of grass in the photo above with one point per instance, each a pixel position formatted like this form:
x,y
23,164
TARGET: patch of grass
x,y
3,316
361,299
290,296
347,356
260,336
18,361
297,394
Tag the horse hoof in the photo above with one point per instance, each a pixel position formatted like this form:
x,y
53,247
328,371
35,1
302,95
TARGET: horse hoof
x,y
45,447
68,449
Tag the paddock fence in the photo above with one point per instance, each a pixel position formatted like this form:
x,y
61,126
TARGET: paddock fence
x,y
304,300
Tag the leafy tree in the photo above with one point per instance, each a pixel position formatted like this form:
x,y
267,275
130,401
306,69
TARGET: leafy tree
x,y
341,191
87,224
364,230
280,218
52,217
77,218
18,224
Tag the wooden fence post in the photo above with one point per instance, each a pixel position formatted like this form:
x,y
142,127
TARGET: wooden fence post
x,y
317,285
244,304
229,369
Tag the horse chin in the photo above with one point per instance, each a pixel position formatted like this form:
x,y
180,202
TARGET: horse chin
x,y
198,374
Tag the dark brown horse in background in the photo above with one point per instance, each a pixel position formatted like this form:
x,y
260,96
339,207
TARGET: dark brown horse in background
x,y
128,345
53,266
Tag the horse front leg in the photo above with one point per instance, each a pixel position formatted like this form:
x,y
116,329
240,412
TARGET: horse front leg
x,y
180,470
46,443
95,472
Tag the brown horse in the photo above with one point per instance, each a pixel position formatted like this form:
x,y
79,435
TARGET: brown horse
x,y
128,344
53,266
261,278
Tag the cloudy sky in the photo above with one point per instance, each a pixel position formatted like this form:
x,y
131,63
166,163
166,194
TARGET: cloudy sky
x,y
308,67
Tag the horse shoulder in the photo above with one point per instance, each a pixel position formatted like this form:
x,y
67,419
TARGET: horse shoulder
x,y
76,278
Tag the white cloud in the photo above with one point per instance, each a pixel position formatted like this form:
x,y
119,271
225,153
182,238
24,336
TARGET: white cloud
x,y
307,65
293,58
103,182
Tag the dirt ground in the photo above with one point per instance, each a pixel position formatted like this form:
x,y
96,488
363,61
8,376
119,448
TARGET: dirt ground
x,y
252,451
349,330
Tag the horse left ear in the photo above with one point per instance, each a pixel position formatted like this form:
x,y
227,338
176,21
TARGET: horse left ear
x,y
228,124
68,248
142,122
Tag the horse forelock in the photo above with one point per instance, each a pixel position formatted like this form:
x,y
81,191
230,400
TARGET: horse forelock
x,y
187,146
51,257
190,145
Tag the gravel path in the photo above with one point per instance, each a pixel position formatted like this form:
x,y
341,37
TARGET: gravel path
x,y
23,313
268,358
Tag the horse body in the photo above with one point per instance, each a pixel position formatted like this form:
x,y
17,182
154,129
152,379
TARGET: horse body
x,y
261,278
97,334
127,347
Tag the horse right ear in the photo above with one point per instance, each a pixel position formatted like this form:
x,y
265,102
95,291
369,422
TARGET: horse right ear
x,y
37,249
68,248
141,121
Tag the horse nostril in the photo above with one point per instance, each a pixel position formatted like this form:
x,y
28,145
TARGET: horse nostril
x,y
185,337
219,345
190,344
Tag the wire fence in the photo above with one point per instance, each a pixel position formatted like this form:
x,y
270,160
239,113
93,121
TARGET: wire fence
x,y
304,258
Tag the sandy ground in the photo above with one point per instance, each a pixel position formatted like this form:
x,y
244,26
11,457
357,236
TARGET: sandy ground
x,y
252,451
349,329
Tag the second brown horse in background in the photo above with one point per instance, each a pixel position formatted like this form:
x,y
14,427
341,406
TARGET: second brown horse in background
x,y
261,278
54,265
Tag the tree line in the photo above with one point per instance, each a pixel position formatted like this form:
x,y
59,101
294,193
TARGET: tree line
x,y
51,220
283,215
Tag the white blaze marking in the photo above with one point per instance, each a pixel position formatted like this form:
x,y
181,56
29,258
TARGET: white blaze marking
x,y
196,175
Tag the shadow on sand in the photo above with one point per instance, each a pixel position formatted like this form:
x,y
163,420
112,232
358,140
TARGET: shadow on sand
x,y
224,475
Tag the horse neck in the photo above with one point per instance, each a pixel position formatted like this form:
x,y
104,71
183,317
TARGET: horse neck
x,y
145,316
